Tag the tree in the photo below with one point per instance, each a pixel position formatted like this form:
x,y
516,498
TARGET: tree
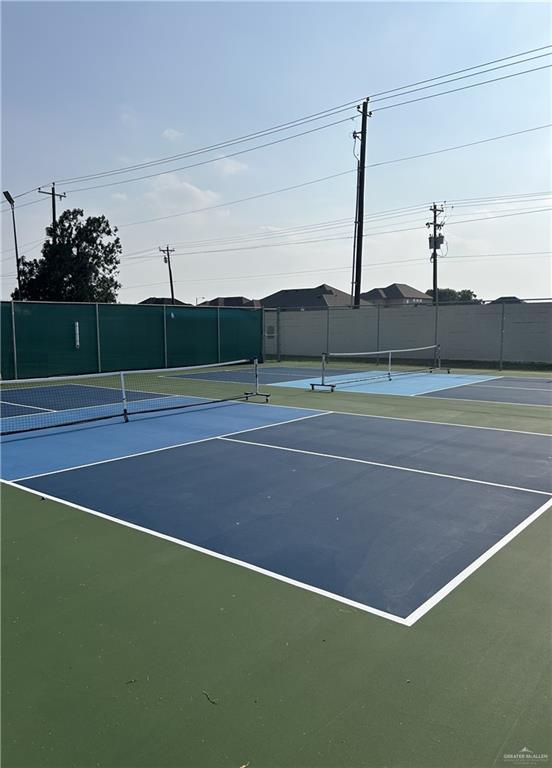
x,y
450,294
80,262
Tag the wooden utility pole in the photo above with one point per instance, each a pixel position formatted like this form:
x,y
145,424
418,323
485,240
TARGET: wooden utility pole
x,y
53,194
167,259
435,242
359,213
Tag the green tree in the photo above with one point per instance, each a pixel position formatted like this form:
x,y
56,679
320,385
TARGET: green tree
x,y
80,262
450,294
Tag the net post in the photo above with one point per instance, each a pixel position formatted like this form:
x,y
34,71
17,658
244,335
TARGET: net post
x,y
256,375
123,393
389,365
323,373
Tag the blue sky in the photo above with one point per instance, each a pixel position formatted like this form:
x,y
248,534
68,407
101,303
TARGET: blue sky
x,y
88,87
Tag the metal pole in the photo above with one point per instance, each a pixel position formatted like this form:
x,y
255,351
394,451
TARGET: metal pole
x,y
323,374
218,334
14,342
98,342
501,355
360,202
17,263
378,328
165,349
327,330
435,280
278,343
123,392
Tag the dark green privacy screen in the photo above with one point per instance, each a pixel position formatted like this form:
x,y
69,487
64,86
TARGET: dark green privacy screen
x,y
56,339
131,337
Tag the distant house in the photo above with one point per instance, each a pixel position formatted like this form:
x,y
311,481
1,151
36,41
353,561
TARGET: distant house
x,y
231,301
396,293
321,297
163,300
507,300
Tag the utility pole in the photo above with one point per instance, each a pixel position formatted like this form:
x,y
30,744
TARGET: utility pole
x,y
435,243
11,201
167,259
359,213
53,194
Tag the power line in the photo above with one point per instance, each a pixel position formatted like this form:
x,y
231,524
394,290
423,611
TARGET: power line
x,y
314,116
327,178
462,88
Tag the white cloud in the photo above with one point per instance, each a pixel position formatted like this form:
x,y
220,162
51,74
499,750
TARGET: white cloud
x,y
172,194
171,134
227,166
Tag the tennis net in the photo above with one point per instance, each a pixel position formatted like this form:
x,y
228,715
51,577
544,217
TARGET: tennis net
x,y
32,404
339,368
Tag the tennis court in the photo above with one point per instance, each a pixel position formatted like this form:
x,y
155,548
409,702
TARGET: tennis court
x,y
203,566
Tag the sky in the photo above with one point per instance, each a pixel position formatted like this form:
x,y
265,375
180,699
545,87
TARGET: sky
x,y
94,87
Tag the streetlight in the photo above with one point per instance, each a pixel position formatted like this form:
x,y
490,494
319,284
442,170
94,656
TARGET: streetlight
x,y
11,201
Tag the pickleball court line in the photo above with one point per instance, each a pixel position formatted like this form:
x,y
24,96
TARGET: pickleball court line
x,y
211,553
460,478
170,447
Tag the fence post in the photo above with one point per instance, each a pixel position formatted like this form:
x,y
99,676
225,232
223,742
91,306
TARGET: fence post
x,y
218,335
98,340
378,307
278,342
501,355
327,330
165,347
14,342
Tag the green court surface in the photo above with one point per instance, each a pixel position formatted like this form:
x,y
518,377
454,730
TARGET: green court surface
x,y
124,650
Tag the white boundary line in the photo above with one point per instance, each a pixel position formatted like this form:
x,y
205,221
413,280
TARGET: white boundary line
x,y
167,447
386,466
415,421
505,386
487,402
21,405
454,386
463,575
217,555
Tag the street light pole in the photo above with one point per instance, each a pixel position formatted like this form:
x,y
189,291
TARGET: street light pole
x,y
11,201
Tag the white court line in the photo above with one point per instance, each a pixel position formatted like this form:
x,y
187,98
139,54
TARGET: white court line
x,y
505,386
453,386
486,402
211,553
167,447
463,575
20,405
415,421
385,466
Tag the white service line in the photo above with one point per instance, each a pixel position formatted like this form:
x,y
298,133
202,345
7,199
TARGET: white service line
x,y
211,553
463,575
169,447
20,405
385,466
415,421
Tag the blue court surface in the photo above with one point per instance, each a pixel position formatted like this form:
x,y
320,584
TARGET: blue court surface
x,y
386,515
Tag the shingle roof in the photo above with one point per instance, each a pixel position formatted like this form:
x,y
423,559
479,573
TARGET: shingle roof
x,y
163,300
395,291
319,297
231,301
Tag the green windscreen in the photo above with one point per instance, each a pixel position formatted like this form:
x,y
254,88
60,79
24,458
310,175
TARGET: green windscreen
x,y
192,336
55,339
131,337
6,341
240,333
